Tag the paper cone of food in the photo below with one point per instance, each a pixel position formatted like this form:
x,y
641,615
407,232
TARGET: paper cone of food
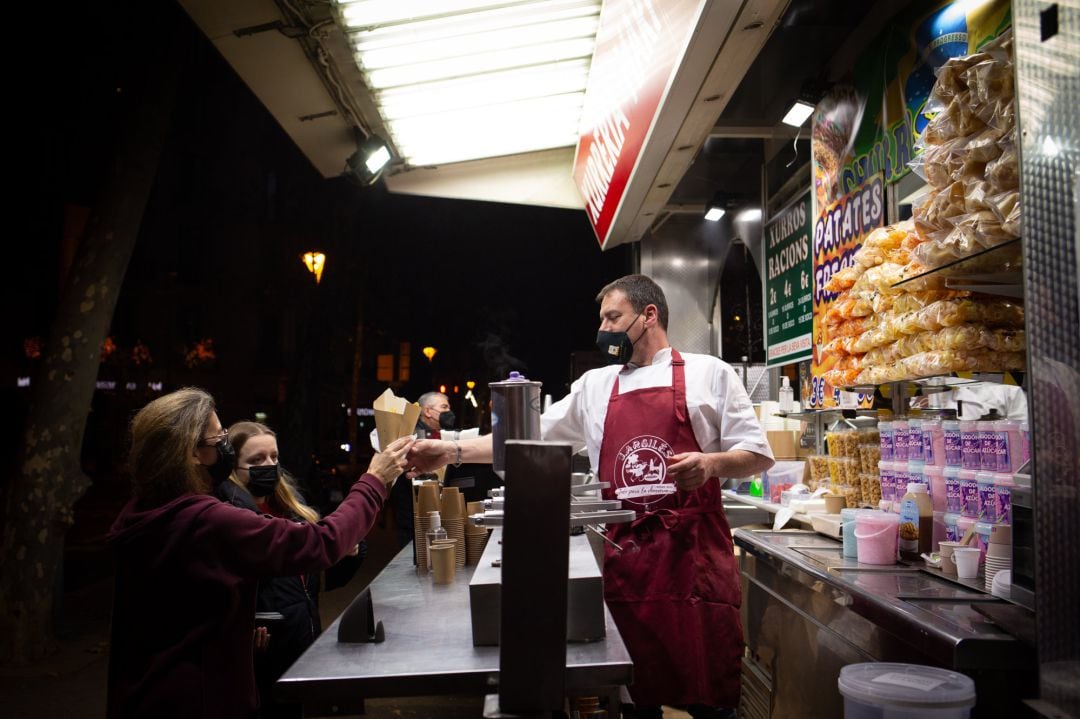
x,y
394,417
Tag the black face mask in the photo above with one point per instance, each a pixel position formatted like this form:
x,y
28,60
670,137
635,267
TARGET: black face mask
x,y
617,347
447,420
223,466
263,479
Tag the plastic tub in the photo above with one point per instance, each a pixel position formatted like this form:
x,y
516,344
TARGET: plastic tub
x,y
900,439
876,534
847,528
933,442
1003,484
885,440
935,477
915,440
951,443
881,690
969,493
951,477
970,449
987,498
987,442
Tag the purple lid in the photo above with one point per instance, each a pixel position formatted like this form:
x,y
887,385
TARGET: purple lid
x,y
516,376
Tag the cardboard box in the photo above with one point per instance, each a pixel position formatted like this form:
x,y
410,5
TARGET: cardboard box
x,y
783,442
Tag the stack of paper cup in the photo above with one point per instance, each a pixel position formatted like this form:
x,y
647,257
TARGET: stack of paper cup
x,y
453,519
427,501
998,553
475,537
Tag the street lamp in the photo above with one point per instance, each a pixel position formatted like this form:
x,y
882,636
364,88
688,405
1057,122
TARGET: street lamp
x,y
314,261
429,352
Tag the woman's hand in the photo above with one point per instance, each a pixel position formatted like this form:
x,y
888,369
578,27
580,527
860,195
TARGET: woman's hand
x,y
390,463
262,639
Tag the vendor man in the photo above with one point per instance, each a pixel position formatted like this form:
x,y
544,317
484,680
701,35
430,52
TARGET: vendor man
x,y
661,427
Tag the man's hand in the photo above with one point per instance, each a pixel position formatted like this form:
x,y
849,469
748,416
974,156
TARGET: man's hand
x,y
428,455
689,470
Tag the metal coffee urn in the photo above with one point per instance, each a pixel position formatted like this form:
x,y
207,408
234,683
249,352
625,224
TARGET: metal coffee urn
x,y
515,414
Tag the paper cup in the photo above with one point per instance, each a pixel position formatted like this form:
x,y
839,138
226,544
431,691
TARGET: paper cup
x,y
833,503
967,562
427,500
451,506
442,563
948,566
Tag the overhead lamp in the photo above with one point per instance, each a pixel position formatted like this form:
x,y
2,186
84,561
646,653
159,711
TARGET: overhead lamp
x,y
752,214
714,210
809,96
314,262
370,159
429,352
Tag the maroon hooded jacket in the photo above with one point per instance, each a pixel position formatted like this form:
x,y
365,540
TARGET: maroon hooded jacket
x,y
183,614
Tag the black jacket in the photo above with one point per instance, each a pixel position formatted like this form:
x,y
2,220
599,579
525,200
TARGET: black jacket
x,y
296,598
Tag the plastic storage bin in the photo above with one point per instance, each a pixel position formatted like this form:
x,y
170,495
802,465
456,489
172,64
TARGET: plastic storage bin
x,y
881,690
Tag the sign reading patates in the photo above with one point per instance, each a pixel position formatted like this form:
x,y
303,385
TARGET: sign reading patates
x,y
789,287
638,46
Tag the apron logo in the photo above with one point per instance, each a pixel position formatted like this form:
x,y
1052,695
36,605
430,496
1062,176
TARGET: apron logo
x,y
641,471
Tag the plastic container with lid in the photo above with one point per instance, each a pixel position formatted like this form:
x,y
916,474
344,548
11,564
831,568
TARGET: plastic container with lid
x,y
933,442
847,528
1025,442
876,534
900,439
952,533
915,439
885,440
1007,446
883,690
1003,484
935,477
888,483
970,449
987,440
951,477
951,442
987,500
969,493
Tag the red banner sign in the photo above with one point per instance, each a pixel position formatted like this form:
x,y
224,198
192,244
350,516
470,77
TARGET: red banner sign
x,y
638,46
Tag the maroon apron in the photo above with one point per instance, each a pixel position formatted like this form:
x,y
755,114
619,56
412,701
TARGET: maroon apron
x,y
674,588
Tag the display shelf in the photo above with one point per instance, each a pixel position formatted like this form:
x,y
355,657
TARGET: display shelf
x,y
988,271
768,506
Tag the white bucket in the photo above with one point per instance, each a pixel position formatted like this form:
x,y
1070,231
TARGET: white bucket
x,y
880,690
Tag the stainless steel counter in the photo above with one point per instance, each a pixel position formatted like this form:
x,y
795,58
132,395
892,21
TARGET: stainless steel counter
x,y
428,649
808,611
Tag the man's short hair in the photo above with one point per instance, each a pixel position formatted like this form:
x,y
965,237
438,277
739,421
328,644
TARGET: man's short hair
x,y
427,398
641,291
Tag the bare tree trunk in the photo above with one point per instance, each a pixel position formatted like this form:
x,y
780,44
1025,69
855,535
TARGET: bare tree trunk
x,y
40,497
354,389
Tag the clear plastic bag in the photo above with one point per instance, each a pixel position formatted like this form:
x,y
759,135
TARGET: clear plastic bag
x,y
1004,172
982,147
990,81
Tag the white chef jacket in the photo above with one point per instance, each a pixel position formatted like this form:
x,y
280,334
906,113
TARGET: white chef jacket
x,y
979,398
720,410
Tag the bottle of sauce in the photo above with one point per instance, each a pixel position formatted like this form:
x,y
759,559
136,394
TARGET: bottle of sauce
x,y
916,521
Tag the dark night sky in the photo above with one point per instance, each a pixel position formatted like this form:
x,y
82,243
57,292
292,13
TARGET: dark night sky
x,y
234,205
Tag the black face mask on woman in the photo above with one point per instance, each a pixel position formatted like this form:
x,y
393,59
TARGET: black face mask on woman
x,y
617,347
223,465
263,479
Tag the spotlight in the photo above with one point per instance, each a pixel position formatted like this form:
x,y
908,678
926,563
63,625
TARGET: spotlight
x,y
370,159
809,96
714,210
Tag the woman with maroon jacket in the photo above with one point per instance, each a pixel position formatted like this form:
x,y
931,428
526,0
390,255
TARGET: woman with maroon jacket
x,y
188,564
